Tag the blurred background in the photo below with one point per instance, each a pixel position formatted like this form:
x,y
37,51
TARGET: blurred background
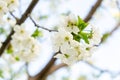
x,y
104,63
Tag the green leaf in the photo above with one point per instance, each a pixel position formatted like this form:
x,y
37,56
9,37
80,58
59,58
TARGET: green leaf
x,y
9,49
66,55
65,78
17,58
1,75
85,37
76,37
37,33
82,35
105,36
2,30
82,77
81,24
44,17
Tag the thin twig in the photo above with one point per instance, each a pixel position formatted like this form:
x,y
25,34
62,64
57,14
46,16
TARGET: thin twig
x,y
113,74
41,26
13,16
27,71
118,4
114,29
110,33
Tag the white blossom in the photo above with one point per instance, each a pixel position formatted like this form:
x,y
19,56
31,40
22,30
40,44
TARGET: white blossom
x,y
3,8
12,4
68,57
24,46
69,23
96,36
60,38
72,52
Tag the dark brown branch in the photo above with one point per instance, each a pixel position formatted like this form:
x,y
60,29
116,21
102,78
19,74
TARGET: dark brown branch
x,y
56,67
53,69
93,10
41,75
41,26
28,11
4,44
20,21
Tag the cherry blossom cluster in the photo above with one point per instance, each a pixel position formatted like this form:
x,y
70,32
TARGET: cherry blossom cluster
x,y
7,6
23,46
75,39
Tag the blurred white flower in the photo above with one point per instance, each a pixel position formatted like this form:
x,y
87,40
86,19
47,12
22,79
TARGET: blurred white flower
x,y
5,71
7,6
3,8
12,4
24,47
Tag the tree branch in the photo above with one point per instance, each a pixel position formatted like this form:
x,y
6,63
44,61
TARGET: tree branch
x,y
19,22
41,75
28,11
41,26
56,67
93,10
113,74
53,69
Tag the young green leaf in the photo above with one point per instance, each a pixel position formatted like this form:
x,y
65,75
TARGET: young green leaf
x,y
66,55
105,36
9,49
85,36
81,24
37,33
17,58
76,37
1,75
